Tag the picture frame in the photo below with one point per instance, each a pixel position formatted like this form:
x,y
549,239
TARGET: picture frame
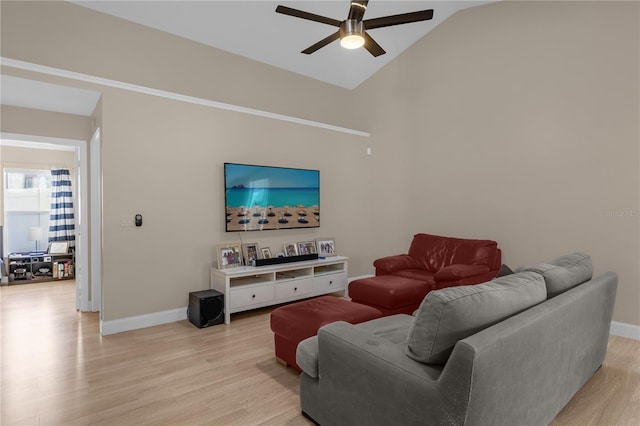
x,y
290,249
250,253
266,252
326,247
58,247
229,255
307,247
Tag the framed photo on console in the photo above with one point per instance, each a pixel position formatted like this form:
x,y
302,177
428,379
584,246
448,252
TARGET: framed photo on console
x,y
229,255
250,253
266,253
307,247
290,249
326,247
58,247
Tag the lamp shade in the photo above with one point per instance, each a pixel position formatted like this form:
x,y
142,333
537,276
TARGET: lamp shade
x,y
35,233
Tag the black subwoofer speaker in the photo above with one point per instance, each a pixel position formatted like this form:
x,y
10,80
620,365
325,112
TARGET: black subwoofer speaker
x,y
206,308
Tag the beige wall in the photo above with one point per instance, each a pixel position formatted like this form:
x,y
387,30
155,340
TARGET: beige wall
x,y
512,121
44,123
33,158
170,170
519,122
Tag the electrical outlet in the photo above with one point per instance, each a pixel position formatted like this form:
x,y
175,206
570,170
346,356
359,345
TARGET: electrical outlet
x,y
126,220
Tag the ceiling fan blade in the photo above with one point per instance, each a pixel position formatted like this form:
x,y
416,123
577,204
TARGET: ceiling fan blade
x,y
357,9
403,18
307,15
374,48
322,43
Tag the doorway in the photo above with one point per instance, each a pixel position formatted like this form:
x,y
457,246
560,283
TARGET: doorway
x,y
86,284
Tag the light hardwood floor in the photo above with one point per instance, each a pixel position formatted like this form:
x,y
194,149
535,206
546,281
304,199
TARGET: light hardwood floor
x,y
57,370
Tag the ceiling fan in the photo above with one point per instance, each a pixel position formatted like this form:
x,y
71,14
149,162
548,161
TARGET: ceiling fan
x,y
353,30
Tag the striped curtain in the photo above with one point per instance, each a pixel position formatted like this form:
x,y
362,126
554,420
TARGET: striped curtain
x,y
62,219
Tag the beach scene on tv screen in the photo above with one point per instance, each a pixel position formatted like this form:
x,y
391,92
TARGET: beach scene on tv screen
x,y
262,198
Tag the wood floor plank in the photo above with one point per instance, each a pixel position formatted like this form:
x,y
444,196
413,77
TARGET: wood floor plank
x,y
55,369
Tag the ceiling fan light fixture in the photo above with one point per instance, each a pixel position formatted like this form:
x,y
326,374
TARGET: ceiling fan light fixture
x,y
352,41
351,34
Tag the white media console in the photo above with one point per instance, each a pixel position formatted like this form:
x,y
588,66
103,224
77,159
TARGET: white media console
x,y
251,287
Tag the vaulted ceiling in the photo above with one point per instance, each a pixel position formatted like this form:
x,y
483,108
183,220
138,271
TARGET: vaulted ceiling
x,y
253,29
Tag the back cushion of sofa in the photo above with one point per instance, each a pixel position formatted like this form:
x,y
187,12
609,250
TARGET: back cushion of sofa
x,y
565,272
433,252
451,314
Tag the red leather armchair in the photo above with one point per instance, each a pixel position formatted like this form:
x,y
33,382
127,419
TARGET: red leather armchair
x,y
444,261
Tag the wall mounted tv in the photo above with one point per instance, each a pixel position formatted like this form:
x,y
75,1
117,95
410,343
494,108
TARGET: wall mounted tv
x,y
259,198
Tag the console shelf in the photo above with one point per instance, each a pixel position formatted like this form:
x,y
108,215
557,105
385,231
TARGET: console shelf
x,y
249,287
34,267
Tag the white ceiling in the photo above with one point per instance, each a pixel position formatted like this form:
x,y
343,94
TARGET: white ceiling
x,y
25,93
253,29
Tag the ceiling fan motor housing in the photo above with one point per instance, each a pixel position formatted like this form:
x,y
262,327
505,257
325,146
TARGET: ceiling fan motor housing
x,y
351,26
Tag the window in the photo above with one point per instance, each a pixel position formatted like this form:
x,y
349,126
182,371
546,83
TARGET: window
x,y
27,200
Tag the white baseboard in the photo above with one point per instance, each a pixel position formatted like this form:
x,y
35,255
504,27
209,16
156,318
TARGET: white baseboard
x,y
155,318
142,321
622,329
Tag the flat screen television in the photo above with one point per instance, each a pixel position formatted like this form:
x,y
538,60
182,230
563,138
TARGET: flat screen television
x,y
259,198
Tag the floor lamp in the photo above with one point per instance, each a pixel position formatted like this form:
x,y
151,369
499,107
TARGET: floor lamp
x,y
36,234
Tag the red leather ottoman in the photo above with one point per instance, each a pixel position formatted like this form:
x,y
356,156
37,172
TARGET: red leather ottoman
x,y
390,294
293,323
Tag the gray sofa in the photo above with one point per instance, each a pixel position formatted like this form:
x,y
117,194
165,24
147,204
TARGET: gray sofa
x,y
512,351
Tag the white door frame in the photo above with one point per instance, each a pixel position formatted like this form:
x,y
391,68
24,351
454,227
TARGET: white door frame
x,y
83,303
95,159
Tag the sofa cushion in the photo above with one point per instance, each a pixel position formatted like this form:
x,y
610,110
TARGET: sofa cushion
x,y
394,329
565,272
459,272
433,252
451,314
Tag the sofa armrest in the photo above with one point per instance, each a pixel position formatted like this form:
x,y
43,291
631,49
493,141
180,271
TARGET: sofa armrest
x,y
568,334
307,356
459,272
390,264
